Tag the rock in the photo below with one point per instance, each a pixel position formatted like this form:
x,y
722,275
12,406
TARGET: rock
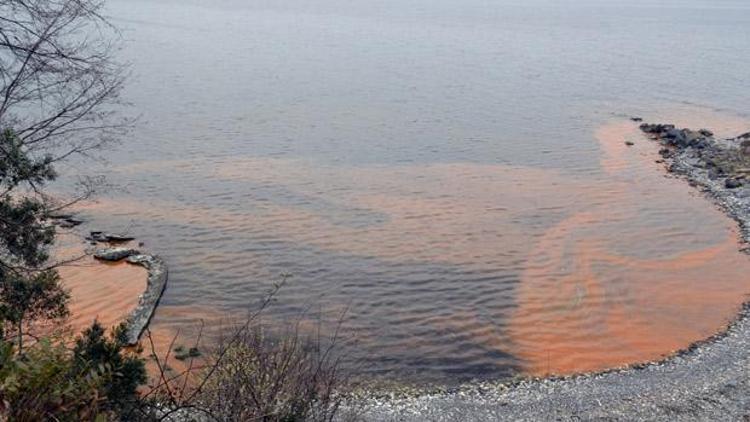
x,y
744,136
155,285
731,183
97,236
673,133
114,254
110,237
745,147
665,152
629,143
707,133
66,221
118,238
700,143
692,136
636,119
656,129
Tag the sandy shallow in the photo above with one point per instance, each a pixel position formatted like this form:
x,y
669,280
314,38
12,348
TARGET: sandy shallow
x,y
107,292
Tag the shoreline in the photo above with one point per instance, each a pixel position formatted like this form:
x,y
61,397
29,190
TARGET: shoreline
x,y
113,285
708,379
156,281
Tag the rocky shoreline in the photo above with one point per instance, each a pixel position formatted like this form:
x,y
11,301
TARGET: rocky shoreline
x,y
709,380
156,282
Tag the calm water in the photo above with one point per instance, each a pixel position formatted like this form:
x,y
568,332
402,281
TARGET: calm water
x,y
452,172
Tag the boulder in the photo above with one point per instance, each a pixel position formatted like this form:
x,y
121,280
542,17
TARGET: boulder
x,y
114,254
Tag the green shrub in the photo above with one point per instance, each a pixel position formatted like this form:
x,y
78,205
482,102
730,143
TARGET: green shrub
x,y
97,380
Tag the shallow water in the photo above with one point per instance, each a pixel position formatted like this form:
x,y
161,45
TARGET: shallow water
x,y
452,173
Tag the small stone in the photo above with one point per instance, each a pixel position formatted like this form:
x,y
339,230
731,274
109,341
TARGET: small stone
x,y
731,183
629,143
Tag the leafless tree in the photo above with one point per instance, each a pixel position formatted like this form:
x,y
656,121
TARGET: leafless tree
x,y
251,374
59,81
59,95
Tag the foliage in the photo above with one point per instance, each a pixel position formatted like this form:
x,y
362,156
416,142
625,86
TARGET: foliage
x,y
24,236
58,85
97,380
128,371
36,297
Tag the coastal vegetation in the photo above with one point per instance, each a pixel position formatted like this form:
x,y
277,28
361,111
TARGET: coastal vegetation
x,y
59,100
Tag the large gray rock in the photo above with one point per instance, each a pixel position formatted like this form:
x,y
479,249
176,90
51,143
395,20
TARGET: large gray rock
x,y
114,254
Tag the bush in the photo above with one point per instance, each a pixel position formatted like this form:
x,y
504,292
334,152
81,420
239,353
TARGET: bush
x,y
255,376
125,372
94,381
43,384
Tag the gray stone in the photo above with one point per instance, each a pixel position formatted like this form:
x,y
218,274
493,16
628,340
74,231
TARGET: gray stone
x,y
731,183
114,254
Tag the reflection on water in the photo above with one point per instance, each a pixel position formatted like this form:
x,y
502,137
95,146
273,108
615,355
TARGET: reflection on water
x,y
437,167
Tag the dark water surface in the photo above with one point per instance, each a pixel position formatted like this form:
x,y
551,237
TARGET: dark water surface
x,y
452,172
